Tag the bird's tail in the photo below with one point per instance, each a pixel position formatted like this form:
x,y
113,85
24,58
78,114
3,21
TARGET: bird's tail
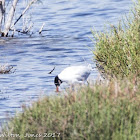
x,y
89,65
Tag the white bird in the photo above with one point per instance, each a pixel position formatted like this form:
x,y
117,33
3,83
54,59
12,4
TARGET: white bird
x,y
73,74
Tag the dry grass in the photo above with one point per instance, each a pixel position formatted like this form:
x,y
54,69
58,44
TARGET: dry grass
x,y
108,110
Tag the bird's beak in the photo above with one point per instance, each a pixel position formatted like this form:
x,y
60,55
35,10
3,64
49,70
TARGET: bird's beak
x,y
57,88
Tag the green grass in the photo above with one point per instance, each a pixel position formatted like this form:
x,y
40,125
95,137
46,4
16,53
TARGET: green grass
x,y
101,111
117,51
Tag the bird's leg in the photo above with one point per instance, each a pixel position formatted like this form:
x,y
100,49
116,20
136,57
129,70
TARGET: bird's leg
x,y
57,89
87,83
71,87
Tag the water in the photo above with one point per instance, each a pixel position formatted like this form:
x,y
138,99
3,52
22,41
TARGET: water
x,y
64,42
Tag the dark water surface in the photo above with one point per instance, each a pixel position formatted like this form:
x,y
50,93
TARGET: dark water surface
x,y
64,42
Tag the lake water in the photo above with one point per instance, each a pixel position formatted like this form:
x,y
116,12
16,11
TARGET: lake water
x,y
63,42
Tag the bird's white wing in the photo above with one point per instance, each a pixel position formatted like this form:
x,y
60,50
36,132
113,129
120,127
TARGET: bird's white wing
x,y
74,74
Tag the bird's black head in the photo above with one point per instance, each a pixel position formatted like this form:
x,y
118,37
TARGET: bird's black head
x,y
57,81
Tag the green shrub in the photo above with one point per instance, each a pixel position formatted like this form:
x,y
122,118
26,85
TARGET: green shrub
x,y
117,52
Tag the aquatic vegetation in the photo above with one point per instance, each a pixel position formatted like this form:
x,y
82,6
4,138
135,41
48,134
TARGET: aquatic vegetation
x,y
5,69
6,26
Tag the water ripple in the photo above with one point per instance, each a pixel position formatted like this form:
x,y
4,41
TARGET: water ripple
x,y
63,43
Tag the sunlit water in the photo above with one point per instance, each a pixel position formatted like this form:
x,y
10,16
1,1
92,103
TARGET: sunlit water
x,y
64,42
